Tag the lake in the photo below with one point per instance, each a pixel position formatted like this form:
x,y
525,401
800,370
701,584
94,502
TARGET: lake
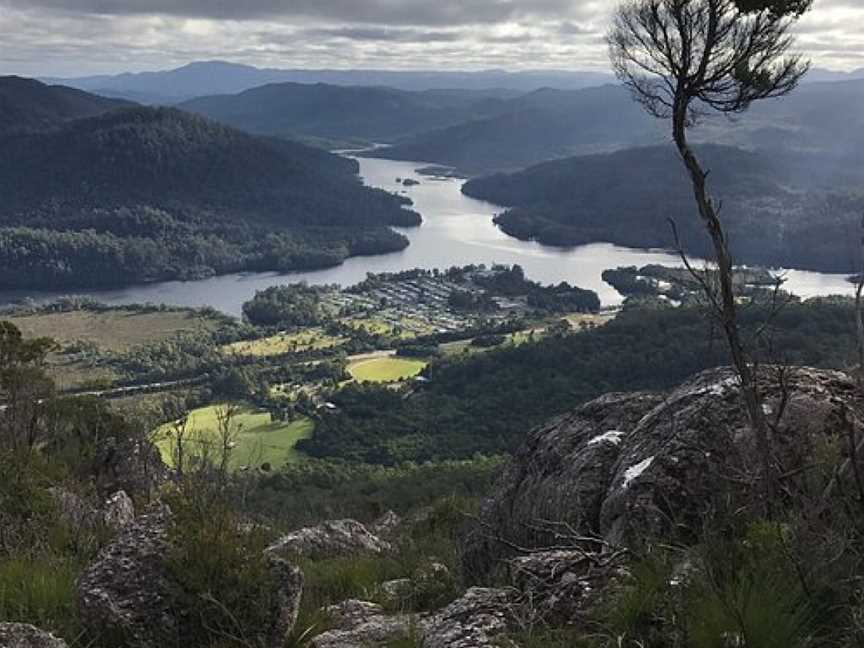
x,y
456,230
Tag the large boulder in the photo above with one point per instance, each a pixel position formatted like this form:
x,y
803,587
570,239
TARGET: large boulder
x,y
20,635
556,483
128,592
330,539
628,468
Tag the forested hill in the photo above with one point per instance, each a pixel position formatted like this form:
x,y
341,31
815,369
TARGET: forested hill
x,y
777,208
534,128
145,194
374,114
26,104
549,124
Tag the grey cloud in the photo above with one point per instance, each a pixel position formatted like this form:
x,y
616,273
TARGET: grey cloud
x,y
403,12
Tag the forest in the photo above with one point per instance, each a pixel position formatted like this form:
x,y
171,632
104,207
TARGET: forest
x,y
146,194
779,210
485,403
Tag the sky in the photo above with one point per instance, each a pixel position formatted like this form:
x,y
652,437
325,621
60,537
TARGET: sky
x,y
78,37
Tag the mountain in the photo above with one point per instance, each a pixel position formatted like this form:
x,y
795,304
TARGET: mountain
x,y
549,124
533,128
818,75
26,104
144,194
784,211
218,77
343,113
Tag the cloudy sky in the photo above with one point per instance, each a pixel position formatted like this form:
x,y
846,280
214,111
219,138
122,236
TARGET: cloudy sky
x,y
74,37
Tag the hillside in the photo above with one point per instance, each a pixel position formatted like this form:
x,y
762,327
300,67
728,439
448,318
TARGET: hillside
x,y
776,207
146,194
550,124
327,111
534,128
26,104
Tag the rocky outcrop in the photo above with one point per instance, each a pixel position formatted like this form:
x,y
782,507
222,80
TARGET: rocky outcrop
x,y
330,539
626,468
129,592
19,635
556,483
360,624
116,512
479,619
562,586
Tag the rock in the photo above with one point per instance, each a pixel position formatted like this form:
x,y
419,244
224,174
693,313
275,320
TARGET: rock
x,y
115,513
128,590
562,586
74,510
20,635
398,590
477,620
695,455
360,624
556,483
331,539
386,525
627,468
118,511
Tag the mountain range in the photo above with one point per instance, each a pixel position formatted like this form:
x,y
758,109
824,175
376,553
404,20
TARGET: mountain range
x,y
219,77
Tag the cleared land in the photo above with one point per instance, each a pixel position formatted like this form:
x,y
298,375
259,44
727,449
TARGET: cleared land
x,y
384,370
312,339
257,439
115,330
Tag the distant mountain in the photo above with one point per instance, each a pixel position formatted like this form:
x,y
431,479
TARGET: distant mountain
x,y
146,194
780,210
218,77
343,113
26,104
549,124
533,128
819,75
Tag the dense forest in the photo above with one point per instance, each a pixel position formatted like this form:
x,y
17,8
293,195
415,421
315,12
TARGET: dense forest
x,y
485,403
27,104
776,208
147,194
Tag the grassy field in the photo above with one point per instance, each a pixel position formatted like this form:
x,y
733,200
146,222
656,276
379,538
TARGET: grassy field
x,y
308,340
257,439
116,330
384,370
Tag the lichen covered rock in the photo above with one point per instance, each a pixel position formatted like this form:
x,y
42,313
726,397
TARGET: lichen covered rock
x,y
330,539
20,635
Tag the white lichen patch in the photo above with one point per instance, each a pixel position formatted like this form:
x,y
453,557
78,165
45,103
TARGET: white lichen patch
x,y
612,436
634,472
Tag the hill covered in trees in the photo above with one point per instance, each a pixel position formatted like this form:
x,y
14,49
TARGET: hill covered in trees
x,y
331,112
780,210
26,104
550,124
145,194
533,128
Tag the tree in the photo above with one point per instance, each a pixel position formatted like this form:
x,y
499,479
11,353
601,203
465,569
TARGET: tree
x,y
686,59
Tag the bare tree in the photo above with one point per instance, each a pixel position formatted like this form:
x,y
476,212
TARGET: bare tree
x,y
686,59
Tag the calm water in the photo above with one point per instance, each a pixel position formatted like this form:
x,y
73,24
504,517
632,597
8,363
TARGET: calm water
x,y
456,230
